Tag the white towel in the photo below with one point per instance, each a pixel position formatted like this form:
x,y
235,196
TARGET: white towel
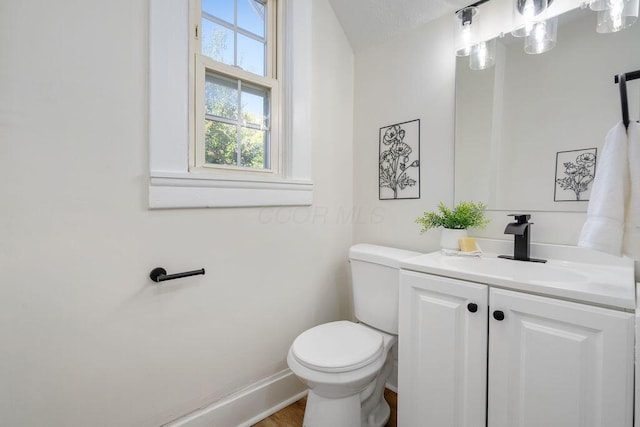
x,y
604,228
632,220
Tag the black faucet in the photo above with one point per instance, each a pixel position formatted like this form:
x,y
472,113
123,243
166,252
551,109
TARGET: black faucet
x,y
520,231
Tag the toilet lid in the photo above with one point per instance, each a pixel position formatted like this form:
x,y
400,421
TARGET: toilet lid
x,y
337,347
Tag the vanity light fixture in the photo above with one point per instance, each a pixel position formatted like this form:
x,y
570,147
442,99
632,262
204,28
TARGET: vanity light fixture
x,y
615,15
533,21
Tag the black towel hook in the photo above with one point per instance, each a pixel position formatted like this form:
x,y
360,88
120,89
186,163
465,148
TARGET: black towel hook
x,y
622,79
622,83
159,274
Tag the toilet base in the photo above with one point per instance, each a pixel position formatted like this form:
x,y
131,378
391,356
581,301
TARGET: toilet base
x,y
375,409
379,416
323,412
343,412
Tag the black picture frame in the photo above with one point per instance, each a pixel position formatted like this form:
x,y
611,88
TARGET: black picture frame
x,y
399,161
575,172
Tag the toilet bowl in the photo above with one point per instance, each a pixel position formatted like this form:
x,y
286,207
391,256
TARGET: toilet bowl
x,y
346,364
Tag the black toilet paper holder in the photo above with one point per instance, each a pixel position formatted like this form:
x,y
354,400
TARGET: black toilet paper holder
x,y
159,274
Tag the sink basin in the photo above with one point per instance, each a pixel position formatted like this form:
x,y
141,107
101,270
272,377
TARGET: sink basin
x,y
606,283
519,271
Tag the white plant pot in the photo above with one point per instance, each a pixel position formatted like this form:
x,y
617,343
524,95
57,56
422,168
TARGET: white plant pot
x,y
450,238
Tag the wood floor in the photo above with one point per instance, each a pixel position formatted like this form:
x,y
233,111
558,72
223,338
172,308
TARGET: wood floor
x,y
292,415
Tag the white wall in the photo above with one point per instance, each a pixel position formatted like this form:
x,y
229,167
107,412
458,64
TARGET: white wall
x,y
410,77
87,339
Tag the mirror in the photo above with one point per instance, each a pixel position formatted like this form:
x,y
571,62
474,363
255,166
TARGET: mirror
x,y
532,124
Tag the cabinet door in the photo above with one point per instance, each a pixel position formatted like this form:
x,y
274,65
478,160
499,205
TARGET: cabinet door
x,y
558,364
442,352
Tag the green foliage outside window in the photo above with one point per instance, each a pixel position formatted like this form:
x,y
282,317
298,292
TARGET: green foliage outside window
x,y
221,139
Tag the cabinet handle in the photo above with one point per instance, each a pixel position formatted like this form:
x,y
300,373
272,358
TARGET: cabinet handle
x,y
498,315
472,307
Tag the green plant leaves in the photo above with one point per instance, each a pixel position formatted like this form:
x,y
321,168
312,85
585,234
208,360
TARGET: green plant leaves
x,y
464,215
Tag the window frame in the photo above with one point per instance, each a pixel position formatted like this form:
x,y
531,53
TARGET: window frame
x,y
171,182
203,64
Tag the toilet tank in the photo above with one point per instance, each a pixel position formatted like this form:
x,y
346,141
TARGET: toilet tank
x,y
375,277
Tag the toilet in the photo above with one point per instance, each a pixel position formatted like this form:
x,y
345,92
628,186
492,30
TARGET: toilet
x,y
346,364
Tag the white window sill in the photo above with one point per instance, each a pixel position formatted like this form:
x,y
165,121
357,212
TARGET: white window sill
x,y
188,190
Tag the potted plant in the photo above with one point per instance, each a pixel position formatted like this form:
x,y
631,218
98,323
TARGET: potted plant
x,y
454,222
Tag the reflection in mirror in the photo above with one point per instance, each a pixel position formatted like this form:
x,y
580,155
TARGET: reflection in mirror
x,y
526,129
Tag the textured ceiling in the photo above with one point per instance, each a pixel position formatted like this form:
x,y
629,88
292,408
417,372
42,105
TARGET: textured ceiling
x,y
370,22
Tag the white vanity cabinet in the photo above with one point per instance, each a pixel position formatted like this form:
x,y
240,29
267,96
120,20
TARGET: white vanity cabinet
x,y
442,364
558,363
533,361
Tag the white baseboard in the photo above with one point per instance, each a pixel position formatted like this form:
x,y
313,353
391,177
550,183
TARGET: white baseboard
x,y
248,406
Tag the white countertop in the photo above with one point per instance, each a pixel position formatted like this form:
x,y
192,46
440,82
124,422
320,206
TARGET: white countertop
x,y
581,275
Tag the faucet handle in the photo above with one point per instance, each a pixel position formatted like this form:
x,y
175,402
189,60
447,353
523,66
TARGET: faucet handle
x,y
521,218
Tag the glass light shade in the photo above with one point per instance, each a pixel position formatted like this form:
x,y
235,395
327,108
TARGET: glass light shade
x,y
526,13
542,37
466,30
616,15
483,55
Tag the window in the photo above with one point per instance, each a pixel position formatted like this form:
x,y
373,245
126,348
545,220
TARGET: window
x,y
236,90
229,110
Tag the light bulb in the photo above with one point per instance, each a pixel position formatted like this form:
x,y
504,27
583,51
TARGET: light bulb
x,y
615,15
528,13
542,37
538,32
482,55
466,33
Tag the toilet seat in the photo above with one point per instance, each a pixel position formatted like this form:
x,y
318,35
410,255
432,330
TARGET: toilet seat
x,y
338,347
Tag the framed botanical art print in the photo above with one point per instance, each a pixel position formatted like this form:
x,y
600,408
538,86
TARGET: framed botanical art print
x,y
399,161
575,171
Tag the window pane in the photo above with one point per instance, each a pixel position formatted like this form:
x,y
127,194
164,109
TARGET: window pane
x,y
253,148
217,42
255,105
221,97
251,55
221,143
251,14
222,9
